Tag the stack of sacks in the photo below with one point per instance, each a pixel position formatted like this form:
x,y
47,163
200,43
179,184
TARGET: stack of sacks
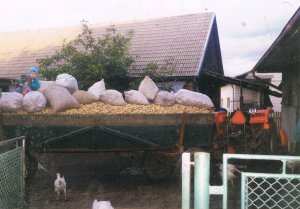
x,y
58,93
146,93
111,97
33,101
63,94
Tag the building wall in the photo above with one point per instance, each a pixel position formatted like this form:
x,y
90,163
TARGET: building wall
x,y
226,97
276,79
212,60
230,97
233,92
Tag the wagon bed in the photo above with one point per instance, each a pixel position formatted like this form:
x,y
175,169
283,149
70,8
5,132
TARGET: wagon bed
x,y
159,131
158,135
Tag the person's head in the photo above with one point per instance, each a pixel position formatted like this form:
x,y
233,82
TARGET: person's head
x,y
25,78
33,72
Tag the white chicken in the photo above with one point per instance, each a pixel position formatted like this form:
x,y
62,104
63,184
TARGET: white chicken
x,y
231,172
292,164
102,205
60,186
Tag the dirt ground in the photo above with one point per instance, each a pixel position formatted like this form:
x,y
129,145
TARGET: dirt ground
x,y
102,176
118,178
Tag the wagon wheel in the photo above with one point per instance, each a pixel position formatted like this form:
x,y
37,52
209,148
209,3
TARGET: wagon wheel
x,y
158,165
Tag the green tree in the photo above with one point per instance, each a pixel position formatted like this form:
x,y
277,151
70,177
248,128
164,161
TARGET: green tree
x,y
90,59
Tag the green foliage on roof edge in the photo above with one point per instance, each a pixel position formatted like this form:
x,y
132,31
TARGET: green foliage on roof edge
x,y
90,59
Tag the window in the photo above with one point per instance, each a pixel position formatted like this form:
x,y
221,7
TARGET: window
x,y
228,102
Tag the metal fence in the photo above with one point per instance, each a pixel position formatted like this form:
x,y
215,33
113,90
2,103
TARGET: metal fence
x,y
12,173
270,191
265,190
258,190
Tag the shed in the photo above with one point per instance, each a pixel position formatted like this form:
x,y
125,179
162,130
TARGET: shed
x,y
284,57
189,42
243,91
258,95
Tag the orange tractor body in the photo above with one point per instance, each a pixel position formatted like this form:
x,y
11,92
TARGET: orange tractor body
x,y
257,133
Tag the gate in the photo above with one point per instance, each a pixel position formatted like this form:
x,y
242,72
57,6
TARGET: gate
x,y
258,190
266,190
12,173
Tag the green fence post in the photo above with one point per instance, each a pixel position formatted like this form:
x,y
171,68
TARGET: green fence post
x,y
186,174
24,205
224,180
201,180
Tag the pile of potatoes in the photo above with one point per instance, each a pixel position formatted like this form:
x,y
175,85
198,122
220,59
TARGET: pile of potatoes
x,y
106,109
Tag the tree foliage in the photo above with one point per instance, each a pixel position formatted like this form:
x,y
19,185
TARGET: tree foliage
x,y
90,59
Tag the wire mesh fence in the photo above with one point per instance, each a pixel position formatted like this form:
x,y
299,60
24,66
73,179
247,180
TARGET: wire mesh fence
x,y
270,191
12,174
265,190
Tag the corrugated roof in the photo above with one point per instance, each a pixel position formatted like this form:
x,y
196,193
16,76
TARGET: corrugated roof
x,y
180,40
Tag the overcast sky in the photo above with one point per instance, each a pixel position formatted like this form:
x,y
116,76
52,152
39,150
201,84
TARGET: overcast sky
x,y
246,28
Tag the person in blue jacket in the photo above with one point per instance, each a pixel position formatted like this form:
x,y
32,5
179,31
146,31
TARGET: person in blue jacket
x,y
28,82
33,76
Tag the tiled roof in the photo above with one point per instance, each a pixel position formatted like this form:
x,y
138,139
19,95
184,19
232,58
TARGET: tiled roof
x,y
181,40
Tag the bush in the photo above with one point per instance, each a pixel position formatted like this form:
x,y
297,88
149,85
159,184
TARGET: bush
x,y
90,59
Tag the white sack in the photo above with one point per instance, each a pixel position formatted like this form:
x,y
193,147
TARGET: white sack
x,y
68,81
60,99
148,88
34,101
164,98
112,97
84,97
191,98
45,84
11,101
97,89
135,97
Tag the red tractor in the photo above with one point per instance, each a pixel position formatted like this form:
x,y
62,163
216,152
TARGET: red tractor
x,y
252,132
